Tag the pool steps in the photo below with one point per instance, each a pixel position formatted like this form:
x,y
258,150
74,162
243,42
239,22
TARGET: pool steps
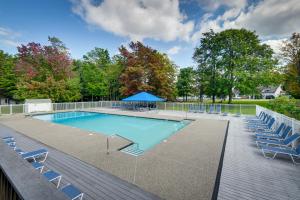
x,y
132,150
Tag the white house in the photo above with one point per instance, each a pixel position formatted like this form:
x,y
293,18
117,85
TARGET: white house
x,y
272,92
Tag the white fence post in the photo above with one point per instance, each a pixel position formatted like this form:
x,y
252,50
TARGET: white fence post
x,y
10,109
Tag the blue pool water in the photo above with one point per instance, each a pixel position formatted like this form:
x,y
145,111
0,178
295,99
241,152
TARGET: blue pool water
x,y
145,132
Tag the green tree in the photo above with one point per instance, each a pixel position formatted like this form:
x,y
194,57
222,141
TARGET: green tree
x,y
291,54
206,55
235,59
7,75
186,82
96,72
92,80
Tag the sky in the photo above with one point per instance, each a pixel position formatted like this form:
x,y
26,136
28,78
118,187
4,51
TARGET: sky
x,y
173,27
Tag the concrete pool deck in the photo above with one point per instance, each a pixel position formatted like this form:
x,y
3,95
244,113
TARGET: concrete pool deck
x,y
183,167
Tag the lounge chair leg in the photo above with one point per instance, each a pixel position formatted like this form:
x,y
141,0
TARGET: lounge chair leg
x,y
274,155
45,157
294,161
58,182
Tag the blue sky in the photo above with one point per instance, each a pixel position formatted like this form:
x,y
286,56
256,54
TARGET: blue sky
x,y
171,26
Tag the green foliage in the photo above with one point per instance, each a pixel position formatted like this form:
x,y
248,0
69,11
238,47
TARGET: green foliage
x,y
57,91
99,75
285,105
233,59
7,75
186,82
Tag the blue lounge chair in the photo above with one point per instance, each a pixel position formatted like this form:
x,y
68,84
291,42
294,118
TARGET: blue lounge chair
x,y
35,155
52,176
38,166
276,132
265,127
10,142
218,109
278,136
292,152
19,151
282,143
12,145
211,109
202,108
263,120
72,192
8,138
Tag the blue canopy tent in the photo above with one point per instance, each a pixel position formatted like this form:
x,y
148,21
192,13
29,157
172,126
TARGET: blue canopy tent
x,y
142,99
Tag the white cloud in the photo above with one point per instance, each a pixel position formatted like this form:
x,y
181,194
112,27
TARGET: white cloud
x,y
174,50
8,37
137,19
214,4
275,45
9,42
269,18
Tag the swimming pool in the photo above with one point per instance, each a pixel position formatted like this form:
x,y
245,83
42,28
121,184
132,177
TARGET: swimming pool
x,y
144,132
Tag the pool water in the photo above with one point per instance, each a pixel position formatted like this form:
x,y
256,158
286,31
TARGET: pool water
x,y
145,132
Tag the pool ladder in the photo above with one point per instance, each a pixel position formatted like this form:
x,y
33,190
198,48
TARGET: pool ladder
x,y
133,150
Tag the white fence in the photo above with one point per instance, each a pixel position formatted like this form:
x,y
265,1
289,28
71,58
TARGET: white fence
x,y
242,109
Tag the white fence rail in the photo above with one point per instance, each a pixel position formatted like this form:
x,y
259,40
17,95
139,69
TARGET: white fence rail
x,y
242,109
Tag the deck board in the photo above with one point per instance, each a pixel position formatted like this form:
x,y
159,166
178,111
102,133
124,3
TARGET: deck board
x,y
95,183
246,174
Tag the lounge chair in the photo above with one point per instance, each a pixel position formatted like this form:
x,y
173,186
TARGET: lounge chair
x,y
276,132
10,142
12,145
35,155
282,143
19,151
8,138
264,127
211,109
38,166
72,192
292,152
52,176
264,120
202,108
218,109
280,135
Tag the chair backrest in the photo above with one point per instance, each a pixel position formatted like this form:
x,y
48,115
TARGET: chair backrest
x,y
267,118
286,131
298,149
211,108
218,108
279,129
271,122
290,139
202,107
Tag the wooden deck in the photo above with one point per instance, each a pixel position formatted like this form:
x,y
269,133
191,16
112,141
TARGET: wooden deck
x,y
95,183
246,174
